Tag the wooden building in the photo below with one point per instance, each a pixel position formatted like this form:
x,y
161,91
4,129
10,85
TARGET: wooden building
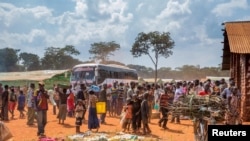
x,y
236,58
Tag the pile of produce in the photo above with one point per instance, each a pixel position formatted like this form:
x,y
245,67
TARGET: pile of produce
x,y
200,106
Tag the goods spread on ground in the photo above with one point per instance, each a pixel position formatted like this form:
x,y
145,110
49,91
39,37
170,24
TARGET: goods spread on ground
x,y
99,136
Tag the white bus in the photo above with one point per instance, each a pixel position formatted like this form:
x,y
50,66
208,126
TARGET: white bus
x,y
98,74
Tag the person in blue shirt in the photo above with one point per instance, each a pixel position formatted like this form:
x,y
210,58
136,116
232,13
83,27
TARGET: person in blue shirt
x,y
21,104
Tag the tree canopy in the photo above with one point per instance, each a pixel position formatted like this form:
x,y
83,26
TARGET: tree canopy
x,y
30,61
103,50
59,58
153,44
8,59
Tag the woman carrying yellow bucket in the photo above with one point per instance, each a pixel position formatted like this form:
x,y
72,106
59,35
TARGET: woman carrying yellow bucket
x,y
101,106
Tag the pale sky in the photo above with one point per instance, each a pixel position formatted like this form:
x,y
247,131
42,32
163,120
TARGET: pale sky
x,y
194,25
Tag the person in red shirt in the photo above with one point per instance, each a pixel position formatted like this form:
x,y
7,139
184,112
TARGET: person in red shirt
x,y
163,100
41,106
128,115
206,90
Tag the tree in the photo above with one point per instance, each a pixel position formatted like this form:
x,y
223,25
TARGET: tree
x,y
102,50
59,58
8,59
30,61
153,44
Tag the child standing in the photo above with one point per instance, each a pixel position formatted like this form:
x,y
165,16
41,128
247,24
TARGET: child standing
x,y
21,104
79,114
145,114
128,115
12,102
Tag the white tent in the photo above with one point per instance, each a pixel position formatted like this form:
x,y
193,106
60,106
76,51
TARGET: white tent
x,y
31,75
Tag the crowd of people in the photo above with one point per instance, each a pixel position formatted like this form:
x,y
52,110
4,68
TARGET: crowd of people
x,y
133,102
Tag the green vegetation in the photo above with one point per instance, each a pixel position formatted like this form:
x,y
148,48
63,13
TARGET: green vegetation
x,y
57,79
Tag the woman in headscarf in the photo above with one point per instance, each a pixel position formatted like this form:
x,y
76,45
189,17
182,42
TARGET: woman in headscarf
x,y
93,121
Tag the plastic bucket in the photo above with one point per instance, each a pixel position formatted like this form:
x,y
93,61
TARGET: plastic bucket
x,y
101,107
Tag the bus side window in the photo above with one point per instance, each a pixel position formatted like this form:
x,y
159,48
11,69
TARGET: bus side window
x,y
106,73
110,74
115,74
121,75
125,75
102,75
130,75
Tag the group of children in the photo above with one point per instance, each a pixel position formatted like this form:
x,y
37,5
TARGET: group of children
x,y
143,113
12,98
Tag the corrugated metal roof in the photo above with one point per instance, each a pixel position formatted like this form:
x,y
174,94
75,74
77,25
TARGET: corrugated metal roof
x,y
238,34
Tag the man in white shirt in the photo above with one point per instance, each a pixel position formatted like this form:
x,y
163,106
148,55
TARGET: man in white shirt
x,y
30,105
177,95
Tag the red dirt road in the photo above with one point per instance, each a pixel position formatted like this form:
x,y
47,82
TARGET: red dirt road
x,y
22,132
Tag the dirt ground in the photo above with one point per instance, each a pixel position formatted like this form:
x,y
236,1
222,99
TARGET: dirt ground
x,y
22,132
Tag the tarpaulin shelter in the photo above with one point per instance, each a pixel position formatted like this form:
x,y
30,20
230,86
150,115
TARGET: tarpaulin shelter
x,y
39,75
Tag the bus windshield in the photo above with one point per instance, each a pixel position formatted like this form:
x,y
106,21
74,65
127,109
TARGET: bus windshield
x,y
83,74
